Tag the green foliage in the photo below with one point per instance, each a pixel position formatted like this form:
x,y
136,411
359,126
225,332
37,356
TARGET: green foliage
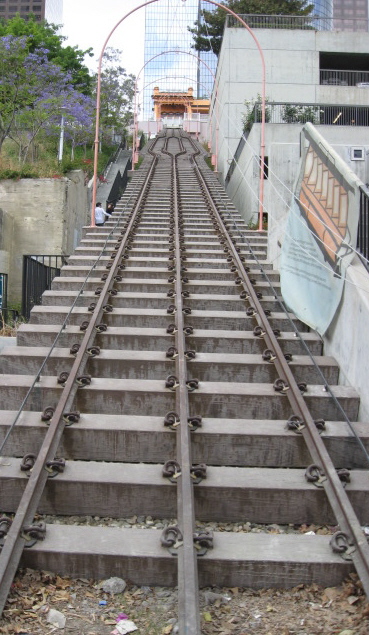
x,y
207,36
253,113
137,165
300,114
117,91
44,35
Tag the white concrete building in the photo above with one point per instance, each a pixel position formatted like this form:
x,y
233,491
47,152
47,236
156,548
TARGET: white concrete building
x,y
327,72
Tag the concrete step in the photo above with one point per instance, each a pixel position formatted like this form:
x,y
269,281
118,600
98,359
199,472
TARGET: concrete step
x,y
118,490
158,318
232,442
209,367
236,560
143,300
236,342
211,399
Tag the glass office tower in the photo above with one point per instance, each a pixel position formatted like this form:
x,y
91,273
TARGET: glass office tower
x,y
170,62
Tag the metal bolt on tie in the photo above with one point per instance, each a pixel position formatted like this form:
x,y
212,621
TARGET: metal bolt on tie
x,y
57,466
47,414
33,533
203,540
101,328
194,422
172,470
341,544
269,355
27,463
171,382
93,351
172,352
171,420
62,378
192,384
74,349
71,417
295,424
84,380
280,385
314,474
172,538
198,473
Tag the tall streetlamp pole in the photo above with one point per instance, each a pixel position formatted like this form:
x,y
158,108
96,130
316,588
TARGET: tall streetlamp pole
x,y
98,97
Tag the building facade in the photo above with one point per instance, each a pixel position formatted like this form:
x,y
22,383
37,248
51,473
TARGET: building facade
x,y
50,10
170,60
351,15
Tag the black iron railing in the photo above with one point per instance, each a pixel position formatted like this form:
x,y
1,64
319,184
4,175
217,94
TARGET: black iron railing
x,y
362,244
3,289
38,273
300,22
318,114
119,185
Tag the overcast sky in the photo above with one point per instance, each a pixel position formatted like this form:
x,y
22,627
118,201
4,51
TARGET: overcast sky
x,y
87,23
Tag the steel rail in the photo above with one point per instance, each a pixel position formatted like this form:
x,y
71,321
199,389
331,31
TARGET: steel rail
x,y
303,343
188,595
356,543
13,546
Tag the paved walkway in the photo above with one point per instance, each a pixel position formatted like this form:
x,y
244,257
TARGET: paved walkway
x,y
103,189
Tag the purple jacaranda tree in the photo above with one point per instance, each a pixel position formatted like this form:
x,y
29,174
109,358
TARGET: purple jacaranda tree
x,y
34,94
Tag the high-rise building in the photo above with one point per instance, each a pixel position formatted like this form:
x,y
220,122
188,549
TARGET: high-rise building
x,y
170,61
50,10
351,15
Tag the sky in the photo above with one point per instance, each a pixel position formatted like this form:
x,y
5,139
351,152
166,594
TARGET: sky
x,y
87,23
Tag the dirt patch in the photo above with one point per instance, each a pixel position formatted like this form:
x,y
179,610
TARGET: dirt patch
x,y
303,610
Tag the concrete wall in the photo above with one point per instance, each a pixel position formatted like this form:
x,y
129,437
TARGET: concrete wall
x,y
292,75
347,337
39,216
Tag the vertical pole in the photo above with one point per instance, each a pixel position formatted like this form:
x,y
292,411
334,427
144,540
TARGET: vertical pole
x,y
61,139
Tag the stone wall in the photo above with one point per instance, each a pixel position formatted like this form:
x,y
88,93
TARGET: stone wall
x,y
39,216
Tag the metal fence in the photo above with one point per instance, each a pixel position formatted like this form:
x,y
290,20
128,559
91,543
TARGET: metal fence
x,y
303,22
362,244
3,290
38,273
318,114
330,77
119,185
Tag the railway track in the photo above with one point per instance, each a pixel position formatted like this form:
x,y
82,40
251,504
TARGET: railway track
x,y
163,370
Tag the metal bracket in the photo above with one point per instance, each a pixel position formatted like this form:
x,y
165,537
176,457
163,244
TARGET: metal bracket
x,y
172,538
33,533
341,544
203,540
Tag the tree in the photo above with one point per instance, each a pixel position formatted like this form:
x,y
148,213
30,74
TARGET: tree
x,y
33,94
43,35
207,34
117,91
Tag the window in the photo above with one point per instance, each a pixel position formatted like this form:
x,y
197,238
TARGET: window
x,y
357,154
